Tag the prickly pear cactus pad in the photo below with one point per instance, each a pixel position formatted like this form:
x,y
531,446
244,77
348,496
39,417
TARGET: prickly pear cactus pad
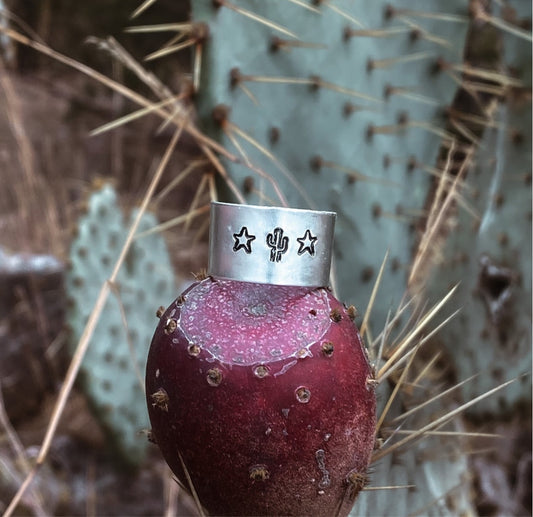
x,y
262,398
429,477
113,367
427,480
348,97
488,249
491,257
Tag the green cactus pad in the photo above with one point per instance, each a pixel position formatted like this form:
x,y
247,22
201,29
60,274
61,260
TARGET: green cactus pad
x,y
113,367
491,255
427,479
491,258
430,475
342,112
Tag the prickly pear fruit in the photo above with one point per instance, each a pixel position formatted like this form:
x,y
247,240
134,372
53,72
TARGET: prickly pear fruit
x,y
263,397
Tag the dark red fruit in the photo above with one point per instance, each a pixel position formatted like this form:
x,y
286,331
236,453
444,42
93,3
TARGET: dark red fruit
x,y
265,394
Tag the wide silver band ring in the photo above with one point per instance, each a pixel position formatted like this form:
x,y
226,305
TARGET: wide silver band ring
x,y
270,245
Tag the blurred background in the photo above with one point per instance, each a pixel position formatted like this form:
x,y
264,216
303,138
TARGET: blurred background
x,y
49,165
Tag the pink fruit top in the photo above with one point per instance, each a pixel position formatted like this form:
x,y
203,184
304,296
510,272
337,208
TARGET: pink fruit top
x,y
254,325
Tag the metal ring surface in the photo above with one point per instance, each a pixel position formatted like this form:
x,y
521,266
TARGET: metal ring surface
x,y
270,245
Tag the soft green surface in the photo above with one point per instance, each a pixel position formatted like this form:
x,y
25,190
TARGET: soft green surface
x,y
312,122
436,466
492,335
145,282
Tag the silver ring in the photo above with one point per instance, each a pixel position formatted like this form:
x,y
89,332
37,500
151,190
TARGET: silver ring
x,y
270,245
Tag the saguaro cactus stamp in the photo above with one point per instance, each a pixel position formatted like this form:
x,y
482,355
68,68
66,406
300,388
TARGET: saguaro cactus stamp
x,y
278,244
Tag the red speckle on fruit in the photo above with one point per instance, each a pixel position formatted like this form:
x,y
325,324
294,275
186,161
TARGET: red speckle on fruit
x,y
303,394
261,371
160,399
356,482
259,473
327,349
335,315
214,377
252,325
352,312
371,383
194,350
170,326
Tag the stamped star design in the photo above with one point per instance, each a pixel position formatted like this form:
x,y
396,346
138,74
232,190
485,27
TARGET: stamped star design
x,y
307,243
243,240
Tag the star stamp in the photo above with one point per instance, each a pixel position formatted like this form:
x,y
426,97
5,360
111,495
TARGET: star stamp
x,y
243,240
307,243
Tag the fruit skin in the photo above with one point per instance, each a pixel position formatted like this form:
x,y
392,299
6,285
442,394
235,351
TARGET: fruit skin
x,y
289,433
